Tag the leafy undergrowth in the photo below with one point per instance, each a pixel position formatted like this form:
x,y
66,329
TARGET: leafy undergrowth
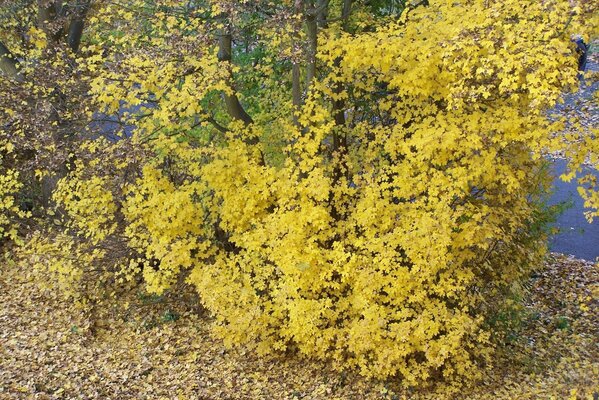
x,y
151,347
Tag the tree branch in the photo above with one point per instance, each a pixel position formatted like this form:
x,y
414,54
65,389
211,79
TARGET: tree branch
x,y
217,125
347,9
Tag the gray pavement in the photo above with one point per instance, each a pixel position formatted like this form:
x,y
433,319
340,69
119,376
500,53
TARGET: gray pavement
x,y
576,236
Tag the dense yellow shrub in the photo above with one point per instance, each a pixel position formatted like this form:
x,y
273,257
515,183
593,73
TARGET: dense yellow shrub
x,y
378,227
388,265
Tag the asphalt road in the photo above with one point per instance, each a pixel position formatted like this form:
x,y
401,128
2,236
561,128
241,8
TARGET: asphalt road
x,y
576,236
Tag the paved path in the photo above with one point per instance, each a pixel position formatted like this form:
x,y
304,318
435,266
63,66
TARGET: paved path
x,y
576,236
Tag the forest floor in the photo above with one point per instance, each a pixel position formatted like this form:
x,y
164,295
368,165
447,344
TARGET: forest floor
x,y
151,347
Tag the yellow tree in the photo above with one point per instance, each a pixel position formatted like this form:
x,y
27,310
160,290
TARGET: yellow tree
x,y
357,182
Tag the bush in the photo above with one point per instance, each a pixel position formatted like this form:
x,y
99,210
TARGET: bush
x,y
376,222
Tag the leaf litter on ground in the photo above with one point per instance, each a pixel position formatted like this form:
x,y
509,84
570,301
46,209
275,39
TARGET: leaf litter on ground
x,y
140,350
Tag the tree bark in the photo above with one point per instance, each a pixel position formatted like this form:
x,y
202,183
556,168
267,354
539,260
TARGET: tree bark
x,y
296,85
323,13
47,13
346,12
338,111
312,30
296,90
8,63
234,107
76,25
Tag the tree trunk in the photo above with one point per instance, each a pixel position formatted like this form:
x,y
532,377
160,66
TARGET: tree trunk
x,y
8,63
234,107
76,25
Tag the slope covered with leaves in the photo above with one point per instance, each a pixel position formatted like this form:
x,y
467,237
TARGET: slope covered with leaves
x,y
160,348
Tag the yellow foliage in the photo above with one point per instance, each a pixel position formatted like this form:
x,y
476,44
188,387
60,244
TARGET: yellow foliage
x,y
89,204
378,243
165,224
9,186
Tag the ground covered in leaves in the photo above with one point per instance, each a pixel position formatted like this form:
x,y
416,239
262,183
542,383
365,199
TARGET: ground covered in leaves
x,y
160,348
